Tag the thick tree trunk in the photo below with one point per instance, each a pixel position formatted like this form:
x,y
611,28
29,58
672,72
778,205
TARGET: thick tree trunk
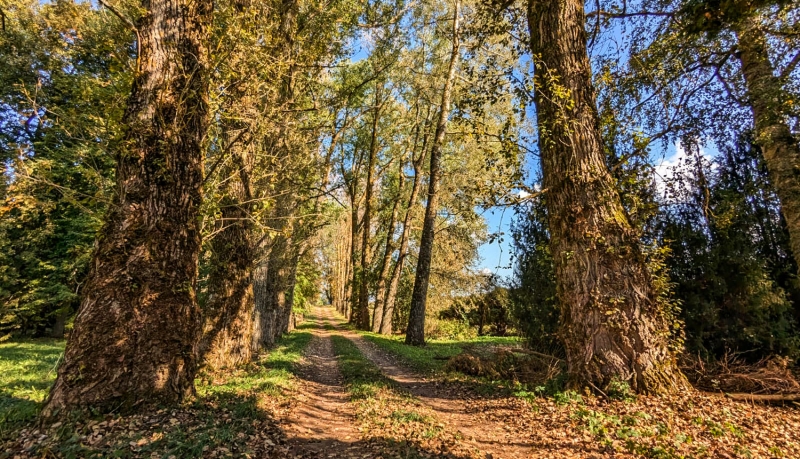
x,y
269,289
228,313
780,149
287,299
613,325
415,332
264,317
137,328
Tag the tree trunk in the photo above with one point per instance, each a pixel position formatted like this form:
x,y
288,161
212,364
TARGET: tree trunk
x,y
228,326
135,335
269,288
60,324
355,275
385,267
386,327
287,299
780,149
361,312
613,325
264,317
415,332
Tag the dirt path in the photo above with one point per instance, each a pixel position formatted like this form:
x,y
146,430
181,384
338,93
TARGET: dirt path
x,y
496,439
320,424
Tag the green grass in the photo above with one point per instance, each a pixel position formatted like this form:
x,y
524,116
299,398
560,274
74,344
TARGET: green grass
x,y
27,369
223,414
432,357
271,375
362,378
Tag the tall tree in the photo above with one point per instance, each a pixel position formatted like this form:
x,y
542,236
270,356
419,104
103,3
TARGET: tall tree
x,y
415,332
766,98
612,322
135,335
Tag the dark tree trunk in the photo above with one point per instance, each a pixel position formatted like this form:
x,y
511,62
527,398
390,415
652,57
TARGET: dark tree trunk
x,y
264,317
415,332
780,149
60,324
228,313
136,331
613,325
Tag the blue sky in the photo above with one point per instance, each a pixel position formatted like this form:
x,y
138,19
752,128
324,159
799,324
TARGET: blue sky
x,y
496,256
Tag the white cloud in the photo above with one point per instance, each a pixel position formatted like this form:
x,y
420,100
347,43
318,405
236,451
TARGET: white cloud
x,y
665,171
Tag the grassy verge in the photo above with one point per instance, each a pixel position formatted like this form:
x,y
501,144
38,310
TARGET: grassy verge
x,y
27,369
432,357
231,416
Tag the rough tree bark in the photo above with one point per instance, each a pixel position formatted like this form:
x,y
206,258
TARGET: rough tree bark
x,y
613,326
269,289
228,314
415,332
780,149
135,335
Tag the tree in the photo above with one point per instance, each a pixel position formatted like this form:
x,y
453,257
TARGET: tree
x,y
65,80
779,147
415,332
613,325
135,336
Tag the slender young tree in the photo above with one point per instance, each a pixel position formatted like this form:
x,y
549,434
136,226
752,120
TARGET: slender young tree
x,y
135,336
361,312
612,322
415,332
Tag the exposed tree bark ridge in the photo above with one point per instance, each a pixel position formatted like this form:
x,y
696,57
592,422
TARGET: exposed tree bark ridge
x,y
134,340
780,149
228,314
613,326
415,332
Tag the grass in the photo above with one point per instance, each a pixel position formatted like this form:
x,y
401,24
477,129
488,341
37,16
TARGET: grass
x,y
362,378
27,369
231,413
432,357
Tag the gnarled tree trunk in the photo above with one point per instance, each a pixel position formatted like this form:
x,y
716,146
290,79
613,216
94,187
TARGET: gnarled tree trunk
x,y
135,335
613,325
780,149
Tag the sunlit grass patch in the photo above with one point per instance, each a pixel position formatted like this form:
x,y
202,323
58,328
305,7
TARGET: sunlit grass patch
x,y
27,369
432,357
